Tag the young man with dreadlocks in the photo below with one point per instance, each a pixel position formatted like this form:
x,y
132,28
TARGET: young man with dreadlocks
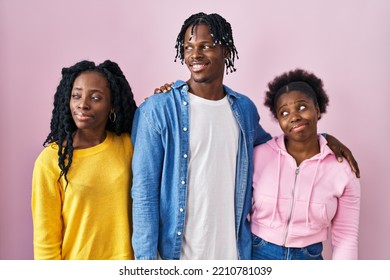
x,y
81,180
192,163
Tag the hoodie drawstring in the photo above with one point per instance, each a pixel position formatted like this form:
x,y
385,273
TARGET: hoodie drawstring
x,y
277,187
311,190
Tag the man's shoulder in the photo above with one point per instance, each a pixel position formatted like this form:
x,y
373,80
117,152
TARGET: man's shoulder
x,y
244,102
156,99
159,101
240,97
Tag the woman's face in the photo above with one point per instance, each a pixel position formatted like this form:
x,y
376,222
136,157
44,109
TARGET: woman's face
x,y
90,101
297,115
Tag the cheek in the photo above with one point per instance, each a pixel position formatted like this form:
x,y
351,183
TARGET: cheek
x,y
105,110
311,116
71,105
108,109
186,55
282,123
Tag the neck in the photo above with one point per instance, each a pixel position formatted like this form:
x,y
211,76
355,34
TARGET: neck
x,y
83,139
206,90
302,150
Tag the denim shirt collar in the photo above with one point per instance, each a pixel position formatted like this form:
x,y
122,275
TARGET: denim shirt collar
x,y
183,87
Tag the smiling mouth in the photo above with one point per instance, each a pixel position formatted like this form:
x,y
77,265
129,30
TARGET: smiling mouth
x,y
198,67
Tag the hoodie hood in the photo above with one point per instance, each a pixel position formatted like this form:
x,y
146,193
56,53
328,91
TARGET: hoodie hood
x,y
278,145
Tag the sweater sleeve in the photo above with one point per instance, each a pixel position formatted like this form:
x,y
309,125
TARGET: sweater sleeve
x,y
46,213
345,225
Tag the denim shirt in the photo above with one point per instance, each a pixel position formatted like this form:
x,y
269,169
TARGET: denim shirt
x,y
160,139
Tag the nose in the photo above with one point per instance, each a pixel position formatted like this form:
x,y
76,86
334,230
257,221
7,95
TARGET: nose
x,y
196,52
83,104
295,116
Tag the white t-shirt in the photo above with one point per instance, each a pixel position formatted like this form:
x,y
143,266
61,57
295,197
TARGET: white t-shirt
x,y
209,231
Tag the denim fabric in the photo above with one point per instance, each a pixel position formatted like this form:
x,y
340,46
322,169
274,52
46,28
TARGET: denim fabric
x,y
160,138
263,250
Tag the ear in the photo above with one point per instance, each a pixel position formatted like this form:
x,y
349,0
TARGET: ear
x,y
318,112
227,52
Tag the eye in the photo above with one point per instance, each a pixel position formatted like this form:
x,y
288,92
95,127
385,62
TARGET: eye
x,y
301,107
187,48
209,46
96,98
284,113
75,96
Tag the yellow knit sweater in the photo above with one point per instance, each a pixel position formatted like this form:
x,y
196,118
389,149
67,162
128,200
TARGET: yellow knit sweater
x,y
91,219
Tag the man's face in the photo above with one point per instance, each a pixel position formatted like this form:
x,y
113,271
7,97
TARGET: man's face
x,y
204,59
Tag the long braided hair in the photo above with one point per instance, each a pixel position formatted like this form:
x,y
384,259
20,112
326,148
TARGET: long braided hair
x,y
220,31
62,125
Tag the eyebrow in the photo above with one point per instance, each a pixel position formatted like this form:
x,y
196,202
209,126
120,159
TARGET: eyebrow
x,y
208,41
93,90
295,102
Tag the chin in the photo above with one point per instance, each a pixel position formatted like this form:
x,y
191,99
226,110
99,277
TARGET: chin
x,y
201,79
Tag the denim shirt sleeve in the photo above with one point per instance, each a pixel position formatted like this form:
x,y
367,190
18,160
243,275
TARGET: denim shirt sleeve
x,y
261,136
146,167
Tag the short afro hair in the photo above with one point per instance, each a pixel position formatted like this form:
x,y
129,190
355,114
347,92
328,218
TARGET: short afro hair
x,y
297,75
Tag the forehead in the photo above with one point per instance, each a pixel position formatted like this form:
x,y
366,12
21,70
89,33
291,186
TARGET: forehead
x,y
292,97
91,78
199,32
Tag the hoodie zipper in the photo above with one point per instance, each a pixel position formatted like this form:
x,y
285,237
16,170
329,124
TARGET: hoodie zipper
x,y
292,204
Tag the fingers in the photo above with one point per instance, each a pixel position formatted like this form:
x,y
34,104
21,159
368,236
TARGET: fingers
x,y
355,168
165,88
353,163
338,153
351,160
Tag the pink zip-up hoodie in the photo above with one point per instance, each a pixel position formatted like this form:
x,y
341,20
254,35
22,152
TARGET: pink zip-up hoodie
x,y
293,206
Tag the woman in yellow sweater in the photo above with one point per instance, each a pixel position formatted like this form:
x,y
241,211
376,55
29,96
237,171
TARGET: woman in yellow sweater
x,y
81,180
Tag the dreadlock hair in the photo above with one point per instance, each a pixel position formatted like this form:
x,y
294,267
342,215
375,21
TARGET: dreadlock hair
x,y
220,31
279,83
62,125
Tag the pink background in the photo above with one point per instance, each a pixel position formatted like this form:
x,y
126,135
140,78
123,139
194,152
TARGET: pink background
x,y
346,43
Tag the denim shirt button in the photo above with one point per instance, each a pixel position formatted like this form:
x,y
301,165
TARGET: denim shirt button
x,y
184,129
181,209
184,103
185,155
183,182
178,233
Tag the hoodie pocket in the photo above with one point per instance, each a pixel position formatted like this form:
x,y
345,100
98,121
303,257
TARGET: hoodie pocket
x,y
271,214
314,216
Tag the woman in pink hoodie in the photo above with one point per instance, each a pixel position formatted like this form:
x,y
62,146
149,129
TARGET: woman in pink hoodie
x,y
300,190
